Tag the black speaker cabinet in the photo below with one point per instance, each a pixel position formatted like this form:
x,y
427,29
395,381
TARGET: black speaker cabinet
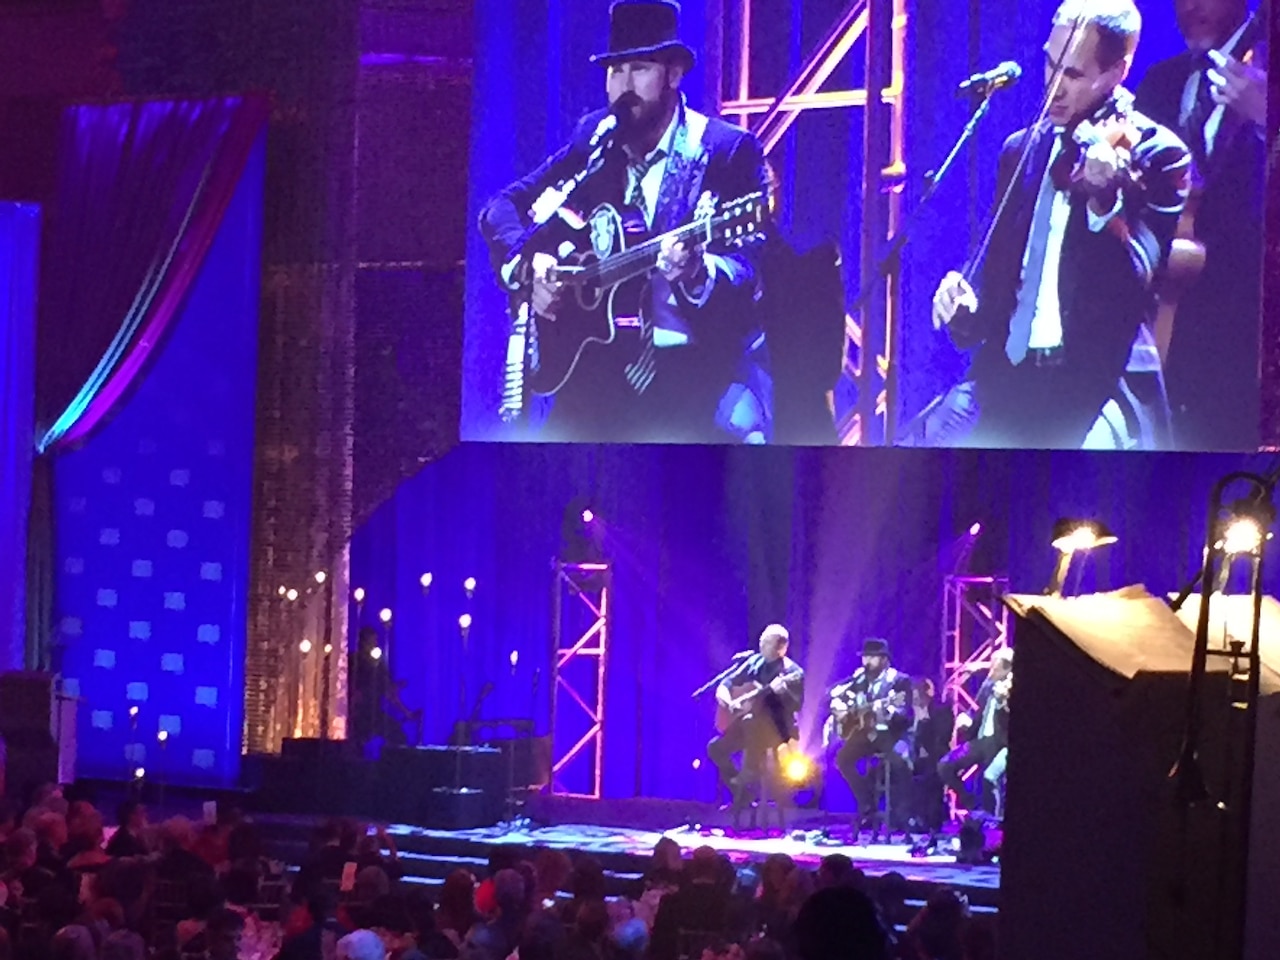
x,y
1100,859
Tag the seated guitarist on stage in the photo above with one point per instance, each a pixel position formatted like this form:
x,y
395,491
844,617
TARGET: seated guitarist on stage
x,y
692,372
870,715
759,700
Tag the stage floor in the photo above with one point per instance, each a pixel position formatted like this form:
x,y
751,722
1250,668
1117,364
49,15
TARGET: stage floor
x,y
875,859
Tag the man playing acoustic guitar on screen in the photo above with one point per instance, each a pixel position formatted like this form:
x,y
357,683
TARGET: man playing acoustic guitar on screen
x,y
639,289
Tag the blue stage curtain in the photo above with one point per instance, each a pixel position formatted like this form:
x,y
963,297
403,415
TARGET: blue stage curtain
x,y
19,247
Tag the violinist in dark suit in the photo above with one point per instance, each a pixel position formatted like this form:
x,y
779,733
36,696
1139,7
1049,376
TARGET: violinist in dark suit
x,y
932,721
985,735
691,372
1067,283
1214,95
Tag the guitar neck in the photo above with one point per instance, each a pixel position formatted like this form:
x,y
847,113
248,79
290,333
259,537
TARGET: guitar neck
x,y
639,259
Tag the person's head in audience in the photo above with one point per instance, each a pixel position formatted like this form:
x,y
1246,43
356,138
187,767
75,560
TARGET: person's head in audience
x,y
85,832
938,928
123,945
107,913
554,869
361,945
20,850
73,942
840,923
422,914
704,866
529,876
222,934
777,867
979,939
508,895
349,834
587,882
176,834
51,830
666,856
389,918
592,921
837,870
57,907
371,883
457,901
132,817
631,939
327,834
48,796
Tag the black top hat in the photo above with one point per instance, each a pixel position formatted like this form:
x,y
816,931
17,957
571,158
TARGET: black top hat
x,y
875,647
642,29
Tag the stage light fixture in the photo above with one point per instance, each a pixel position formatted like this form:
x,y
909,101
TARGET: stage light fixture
x,y
305,646
139,772
292,595
328,649
515,658
469,585
425,580
162,736
375,653
1072,536
975,529
282,590
358,594
464,622
697,763
588,515
321,576
385,614
133,713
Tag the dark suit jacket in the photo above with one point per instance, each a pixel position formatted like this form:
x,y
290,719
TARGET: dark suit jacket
x,y
734,167
931,737
1215,337
1104,280
1001,733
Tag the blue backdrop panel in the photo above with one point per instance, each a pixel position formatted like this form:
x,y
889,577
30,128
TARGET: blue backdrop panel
x,y
153,523
712,544
533,82
19,252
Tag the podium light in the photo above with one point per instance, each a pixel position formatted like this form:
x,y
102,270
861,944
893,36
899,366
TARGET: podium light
x,y
375,653
385,614
358,594
305,646
292,595
162,736
469,585
1070,537
425,580
321,576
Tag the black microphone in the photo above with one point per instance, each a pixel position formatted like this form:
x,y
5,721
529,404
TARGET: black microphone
x,y
1006,74
618,117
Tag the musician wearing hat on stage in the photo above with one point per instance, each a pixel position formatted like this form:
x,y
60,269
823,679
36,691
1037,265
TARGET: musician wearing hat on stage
x,y
871,716
756,710
988,732
685,362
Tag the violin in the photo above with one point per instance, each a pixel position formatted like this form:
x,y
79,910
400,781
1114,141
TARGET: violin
x,y
1110,124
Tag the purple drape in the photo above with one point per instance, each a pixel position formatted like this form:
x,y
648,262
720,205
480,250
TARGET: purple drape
x,y
142,188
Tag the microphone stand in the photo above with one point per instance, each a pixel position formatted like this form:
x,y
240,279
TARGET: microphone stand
x,y
715,681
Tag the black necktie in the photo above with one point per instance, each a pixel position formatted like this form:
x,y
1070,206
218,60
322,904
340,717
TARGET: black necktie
x,y
1198,118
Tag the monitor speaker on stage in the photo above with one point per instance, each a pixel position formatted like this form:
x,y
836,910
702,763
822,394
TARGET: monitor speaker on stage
x,y
1101,859
38,727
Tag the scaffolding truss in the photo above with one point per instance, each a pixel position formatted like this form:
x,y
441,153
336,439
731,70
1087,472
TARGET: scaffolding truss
x,y
580,646
975,624
872,343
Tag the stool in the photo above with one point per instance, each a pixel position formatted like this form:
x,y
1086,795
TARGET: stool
x,y
763,786
882,803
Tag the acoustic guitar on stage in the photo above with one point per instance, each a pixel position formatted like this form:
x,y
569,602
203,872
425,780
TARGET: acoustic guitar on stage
x,y
607,275
853,713
743,700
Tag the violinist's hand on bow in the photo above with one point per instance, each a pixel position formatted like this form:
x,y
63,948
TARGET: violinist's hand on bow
x,y
1241,87
954,293
679,261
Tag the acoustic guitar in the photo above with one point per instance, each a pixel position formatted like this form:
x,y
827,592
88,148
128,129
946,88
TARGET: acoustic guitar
x,y
743,701
853,713
607,273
